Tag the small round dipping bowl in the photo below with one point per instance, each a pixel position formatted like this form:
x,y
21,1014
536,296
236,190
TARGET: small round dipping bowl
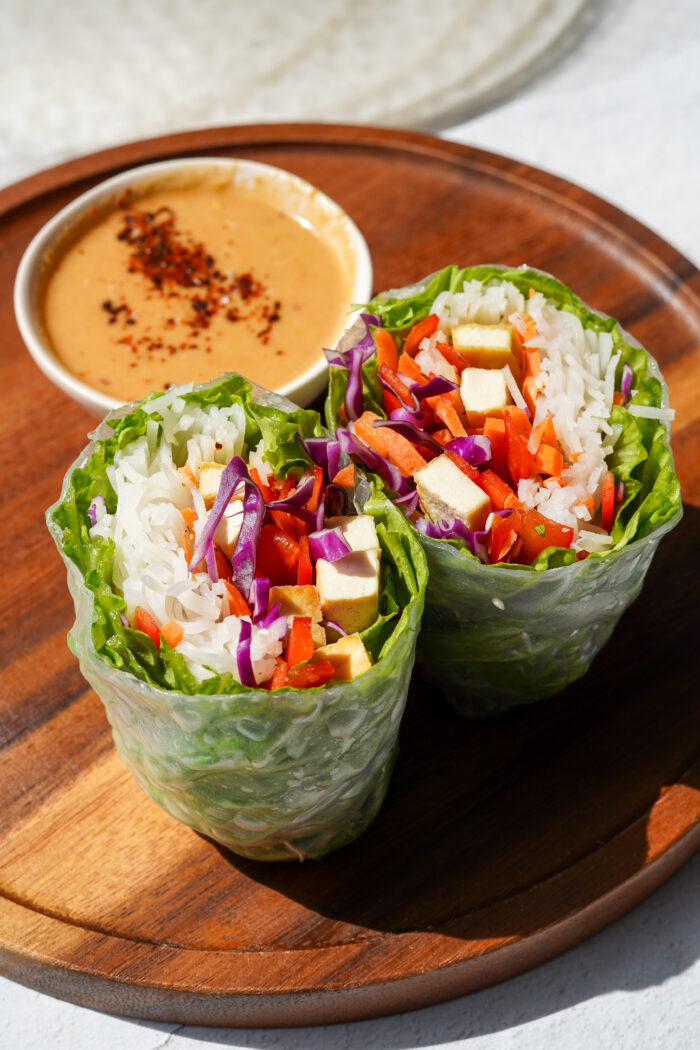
x,y
293,195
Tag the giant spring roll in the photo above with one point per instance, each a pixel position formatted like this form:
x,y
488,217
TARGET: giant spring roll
x,y
250,630
526,437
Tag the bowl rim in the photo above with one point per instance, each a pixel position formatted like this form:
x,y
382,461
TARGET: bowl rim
x,y
304,388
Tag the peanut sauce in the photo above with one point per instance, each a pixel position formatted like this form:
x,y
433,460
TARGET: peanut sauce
x,y
183,284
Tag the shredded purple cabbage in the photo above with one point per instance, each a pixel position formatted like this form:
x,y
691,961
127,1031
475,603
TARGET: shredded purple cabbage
x,y
352,361
294,502
412,432
124,619
244,555
243,657
408,503
98,501
449,530
435,386
329,544
475,449
271,616
353,446
620,491
334,626
626,381
259,597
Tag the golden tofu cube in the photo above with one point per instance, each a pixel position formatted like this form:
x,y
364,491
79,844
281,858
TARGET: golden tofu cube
x,y
348,655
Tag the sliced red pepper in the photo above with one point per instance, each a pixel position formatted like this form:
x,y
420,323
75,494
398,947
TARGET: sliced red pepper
x,y
277,557
419,332
607,507
237,603
466,468
305,570
265,489
452,356
538,533
503,535
279,675
398,387
300,647
306,676
500,494
391,403
223,565
143,621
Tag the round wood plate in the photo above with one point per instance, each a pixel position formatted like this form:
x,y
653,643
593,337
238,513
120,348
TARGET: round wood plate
x,y
501,842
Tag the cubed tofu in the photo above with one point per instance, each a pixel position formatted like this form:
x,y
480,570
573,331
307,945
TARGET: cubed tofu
x,y
226,535
484,393
209,481
488,345
348,655
359,531
349,589
301,600
446,493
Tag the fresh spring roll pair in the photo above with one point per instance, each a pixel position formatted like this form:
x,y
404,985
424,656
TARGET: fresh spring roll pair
x,y
249,623
526,437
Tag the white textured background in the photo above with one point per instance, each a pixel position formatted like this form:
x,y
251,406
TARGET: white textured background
x,y
618,113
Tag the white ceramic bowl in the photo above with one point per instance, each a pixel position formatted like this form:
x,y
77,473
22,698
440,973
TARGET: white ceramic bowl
x,y
294,195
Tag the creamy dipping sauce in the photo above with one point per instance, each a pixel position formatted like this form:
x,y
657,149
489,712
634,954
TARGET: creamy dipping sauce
x,y
182,284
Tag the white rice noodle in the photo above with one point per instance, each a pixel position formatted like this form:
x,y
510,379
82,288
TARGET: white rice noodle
x,y
665,415
513,388
150,563
575,386
430,360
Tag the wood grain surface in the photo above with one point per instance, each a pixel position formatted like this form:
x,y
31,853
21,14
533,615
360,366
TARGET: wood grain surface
x,y
501,842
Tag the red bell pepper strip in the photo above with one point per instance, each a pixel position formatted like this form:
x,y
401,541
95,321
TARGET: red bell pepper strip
x,y
538,533
237,603
143,621
466,468
277,557
279,675
306,676
502,537
501,495
305,570
419,332
300,647
607,507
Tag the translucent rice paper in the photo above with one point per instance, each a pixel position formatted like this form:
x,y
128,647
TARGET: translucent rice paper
x,y
272,776
492,636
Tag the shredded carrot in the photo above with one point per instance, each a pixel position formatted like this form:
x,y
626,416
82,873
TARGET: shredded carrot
x,y
187,472
237,603
189,517
618,398
548,460
447,413
529,328
345,477
408,367
443,436
587,502
173,633
387,354
394,447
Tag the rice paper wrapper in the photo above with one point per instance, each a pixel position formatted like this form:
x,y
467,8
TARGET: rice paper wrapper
x,y
493,637
283,775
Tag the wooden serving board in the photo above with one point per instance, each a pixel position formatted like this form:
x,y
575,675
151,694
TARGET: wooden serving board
x,y
502,842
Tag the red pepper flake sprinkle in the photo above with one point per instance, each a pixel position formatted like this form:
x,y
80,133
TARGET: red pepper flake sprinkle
x,y
180,268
